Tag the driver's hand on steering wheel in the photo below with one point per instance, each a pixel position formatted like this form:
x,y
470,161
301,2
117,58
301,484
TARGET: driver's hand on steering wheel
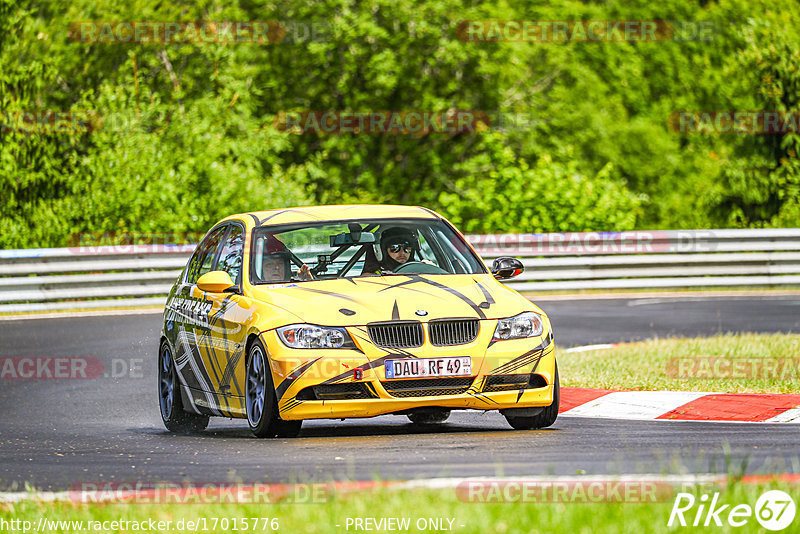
x,y
304,273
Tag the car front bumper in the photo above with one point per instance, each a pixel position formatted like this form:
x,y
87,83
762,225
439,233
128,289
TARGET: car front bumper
x,y
294,371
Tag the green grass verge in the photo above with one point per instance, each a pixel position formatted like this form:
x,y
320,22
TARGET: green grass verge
x,y
740,363
503,518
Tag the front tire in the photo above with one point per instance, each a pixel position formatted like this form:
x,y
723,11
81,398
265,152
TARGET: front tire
x,y
175,418
545,418
261,403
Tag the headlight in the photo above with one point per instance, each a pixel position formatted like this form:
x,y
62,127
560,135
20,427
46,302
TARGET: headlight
x,y
526,324
309,336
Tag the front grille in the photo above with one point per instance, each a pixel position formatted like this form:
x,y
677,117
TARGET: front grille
x,y
448,332
428,387
396,335
506,382
348,390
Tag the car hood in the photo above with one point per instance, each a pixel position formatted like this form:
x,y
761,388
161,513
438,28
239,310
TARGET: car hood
x,y
358,301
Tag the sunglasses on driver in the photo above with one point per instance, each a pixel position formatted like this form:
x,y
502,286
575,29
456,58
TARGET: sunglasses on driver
x,y
400,246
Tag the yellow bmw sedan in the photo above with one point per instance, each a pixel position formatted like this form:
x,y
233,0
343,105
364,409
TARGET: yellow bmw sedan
x,y
349,311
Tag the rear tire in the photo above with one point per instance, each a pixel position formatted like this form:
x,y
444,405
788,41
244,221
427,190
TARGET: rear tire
x,y
261,403
545,418
175,418
429,417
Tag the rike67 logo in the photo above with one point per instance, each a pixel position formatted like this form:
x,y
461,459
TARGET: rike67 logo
x,y
774,510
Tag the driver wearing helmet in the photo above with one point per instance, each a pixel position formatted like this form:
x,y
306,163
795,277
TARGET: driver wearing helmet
x,y
398,246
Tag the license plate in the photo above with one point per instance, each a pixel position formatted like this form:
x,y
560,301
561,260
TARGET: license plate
x,y
425,367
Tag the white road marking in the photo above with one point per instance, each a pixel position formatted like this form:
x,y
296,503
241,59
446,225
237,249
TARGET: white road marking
x,y
429,483
637,405
789,416
587,348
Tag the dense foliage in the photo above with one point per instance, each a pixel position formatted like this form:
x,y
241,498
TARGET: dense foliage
x,y
577,136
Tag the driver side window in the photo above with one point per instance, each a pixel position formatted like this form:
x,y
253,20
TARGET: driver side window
x,y
203,259
230,258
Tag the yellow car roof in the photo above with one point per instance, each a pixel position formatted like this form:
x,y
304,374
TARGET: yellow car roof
x,y
333,213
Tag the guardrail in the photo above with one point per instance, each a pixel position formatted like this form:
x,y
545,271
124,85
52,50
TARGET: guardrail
x,y
137,275
89,277
650,259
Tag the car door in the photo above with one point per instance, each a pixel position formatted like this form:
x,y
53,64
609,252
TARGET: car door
x,y
221,345
190,310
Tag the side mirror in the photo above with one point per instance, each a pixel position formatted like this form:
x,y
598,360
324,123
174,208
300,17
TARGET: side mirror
x,y
506,267
216,282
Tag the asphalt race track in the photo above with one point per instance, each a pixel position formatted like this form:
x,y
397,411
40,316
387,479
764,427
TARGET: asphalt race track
x,y
57,433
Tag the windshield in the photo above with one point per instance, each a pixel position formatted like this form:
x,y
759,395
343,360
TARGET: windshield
x,y
347,249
